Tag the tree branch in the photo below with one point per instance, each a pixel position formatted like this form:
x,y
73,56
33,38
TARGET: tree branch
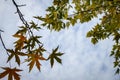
x,y
4,45
23,19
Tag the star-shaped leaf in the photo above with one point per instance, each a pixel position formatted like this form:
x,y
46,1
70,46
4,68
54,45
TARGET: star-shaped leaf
x,y
55,56
12,73
34,59
16,55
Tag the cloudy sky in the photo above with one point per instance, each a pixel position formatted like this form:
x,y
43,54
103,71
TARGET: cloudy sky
x,y
82,60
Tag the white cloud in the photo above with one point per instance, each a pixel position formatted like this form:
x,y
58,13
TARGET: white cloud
x,y
81,61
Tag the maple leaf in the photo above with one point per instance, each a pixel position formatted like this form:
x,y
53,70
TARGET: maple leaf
x,y
34,59
16,55
55,56
12,73
20,42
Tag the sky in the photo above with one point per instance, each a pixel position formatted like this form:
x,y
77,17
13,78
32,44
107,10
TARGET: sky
x,y
82,60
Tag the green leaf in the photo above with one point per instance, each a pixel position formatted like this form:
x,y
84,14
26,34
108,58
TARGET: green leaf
x,y
51,62
116,63
10,57
54,56
117,71
15,54
112,53
89,34
58,60
55,50
59,54
17,59
94,40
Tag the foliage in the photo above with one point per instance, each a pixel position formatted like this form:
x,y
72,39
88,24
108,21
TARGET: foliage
x,y
59,17
54,56
34,58
27,45
12,73
84,11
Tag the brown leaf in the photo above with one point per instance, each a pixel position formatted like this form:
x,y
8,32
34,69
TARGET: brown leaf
x,y
3,74
31,64
34,59
12,73
38,65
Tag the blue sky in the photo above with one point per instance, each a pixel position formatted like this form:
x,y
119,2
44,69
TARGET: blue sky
x,y
82,60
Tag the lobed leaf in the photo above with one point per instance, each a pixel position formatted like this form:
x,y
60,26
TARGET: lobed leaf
x,y
11,72
55,56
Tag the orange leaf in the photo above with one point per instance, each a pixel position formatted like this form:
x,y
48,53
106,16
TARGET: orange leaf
x,y
16,35
38,65
20,42
34,59
31,64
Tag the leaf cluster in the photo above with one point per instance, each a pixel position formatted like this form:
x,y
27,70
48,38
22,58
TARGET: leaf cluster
x,y
29,46
60,16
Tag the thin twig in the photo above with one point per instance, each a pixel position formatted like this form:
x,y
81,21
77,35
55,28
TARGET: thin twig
x,y
4,47
23,20
3,44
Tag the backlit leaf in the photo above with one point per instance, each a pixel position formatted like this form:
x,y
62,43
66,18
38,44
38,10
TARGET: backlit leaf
x,y
55,56
20,42
34,59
